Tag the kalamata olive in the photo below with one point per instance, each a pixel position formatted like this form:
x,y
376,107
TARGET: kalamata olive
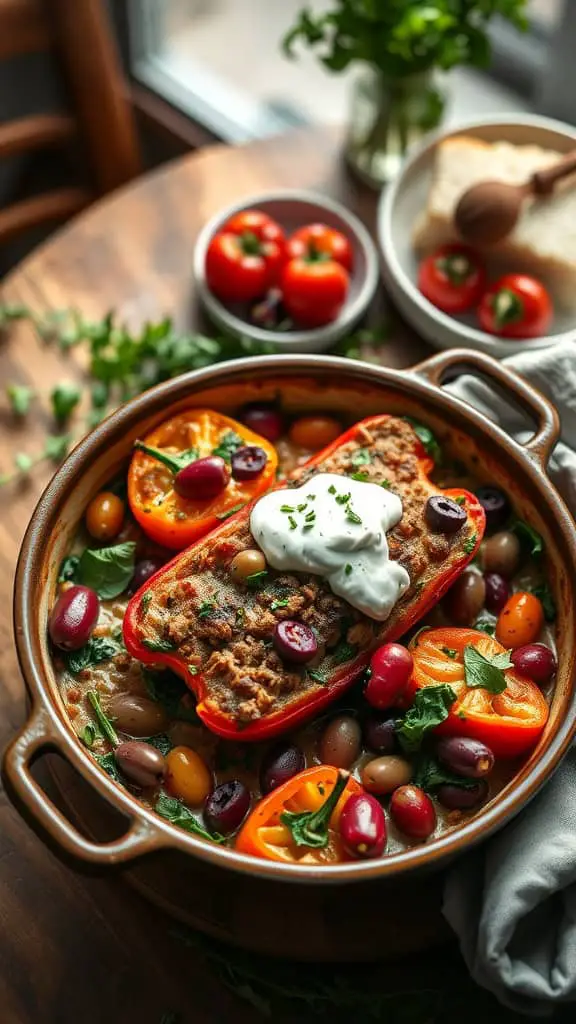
x,y
295,641
443,515
314,432
497,592
136,715
390,667
465,599
141,763
413,812
263,419
363,826
385,774
246,563
203,479
380,734
340,742
227,806
188,777
465,756
501,553
458,798
73,618
105,515
143,570
495,504
248,462
535,661
281,763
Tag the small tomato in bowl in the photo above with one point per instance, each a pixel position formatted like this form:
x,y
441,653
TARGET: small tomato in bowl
x,y
245,258
319,240
516,306
453,278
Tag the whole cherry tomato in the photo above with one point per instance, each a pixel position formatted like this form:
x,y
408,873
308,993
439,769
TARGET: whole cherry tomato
x,y
516,306
318,240
453,278
314,290
245,258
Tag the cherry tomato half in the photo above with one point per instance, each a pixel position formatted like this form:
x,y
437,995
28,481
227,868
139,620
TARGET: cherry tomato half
x,y
315,240
516,306
244,258
314,290
453,278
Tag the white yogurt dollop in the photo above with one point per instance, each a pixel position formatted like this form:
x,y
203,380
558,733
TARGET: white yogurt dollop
x,y
335,527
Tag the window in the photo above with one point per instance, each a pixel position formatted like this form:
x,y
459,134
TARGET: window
x,y
220,62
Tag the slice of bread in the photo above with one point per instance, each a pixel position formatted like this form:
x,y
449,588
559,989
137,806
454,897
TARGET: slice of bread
x,y
543,242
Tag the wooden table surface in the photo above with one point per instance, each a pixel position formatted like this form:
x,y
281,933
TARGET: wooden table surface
x,y
79,949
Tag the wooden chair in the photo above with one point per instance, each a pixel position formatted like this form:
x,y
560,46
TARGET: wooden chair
x,y
78,35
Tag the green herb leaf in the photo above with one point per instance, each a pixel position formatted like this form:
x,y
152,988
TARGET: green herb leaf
x,y
469,544
229,443
544,595
310,828
159,645
97,650
430,707
56,447
108,571
104,722
145,602
293,523
348,569
487,626
256,578
362,477
430,774
530,539
64,398
281,603
485,672
318,677
230,512
108,763
205,609
361,458
68,570
427,438
162,743
352,516
20,397
89,734
177,814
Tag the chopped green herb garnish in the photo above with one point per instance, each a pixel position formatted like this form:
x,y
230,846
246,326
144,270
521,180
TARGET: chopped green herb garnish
x,y
287,508
485,626
362,477
385,484
68,570
193,670
427,438
108,763
281,603
229,443
302,507
469,544
293,523
256,577
486,672
160,646
352,516
361,458
449,652
64,399
206,608
311,497
145,602
430,707
230,512
89,735
348,568
343,499
460,499
331,489
430,774
310,517
317,676
344,652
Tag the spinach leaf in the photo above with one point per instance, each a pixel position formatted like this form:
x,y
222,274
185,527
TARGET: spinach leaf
x,y
430,708
162,743
530,539
428,439
108,571
68,570
430,774
485,672
544,595
177,814
108,763
98,649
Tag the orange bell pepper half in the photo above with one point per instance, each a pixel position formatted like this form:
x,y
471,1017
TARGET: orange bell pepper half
x,y
510,723
166,517
265,835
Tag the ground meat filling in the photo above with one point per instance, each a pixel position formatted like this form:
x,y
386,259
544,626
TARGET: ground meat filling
x,y
225,630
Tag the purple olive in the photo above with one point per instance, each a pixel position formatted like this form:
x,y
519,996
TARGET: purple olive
x,y
295,641
380,734
248,462
142,763
203,479
535,661
465,756
263,419
227,806
458,798
495,505
497,592
363,826
279,765
73,618
443,515
143,570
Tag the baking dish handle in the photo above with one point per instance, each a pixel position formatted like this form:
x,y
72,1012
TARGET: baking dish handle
x,y
538,408
38,735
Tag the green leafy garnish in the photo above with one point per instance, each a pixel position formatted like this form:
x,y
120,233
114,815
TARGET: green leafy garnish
x,y
544,595
460,499
108,763
177,814
362,477
255,578
427,438
343,499
89,735
174,461
310,828
469,544
205,609
352,516
281,603
145,602
293,523
430,774
68,570
230,512
430,708
97,650
344,652
229,443
485,626
348,569
486,672
316,675
64,398
20,397
162,743
104,722
108,571
160,645
361,458
530,539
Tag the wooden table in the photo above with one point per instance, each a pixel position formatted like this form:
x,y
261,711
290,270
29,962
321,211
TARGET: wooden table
x,y
76,949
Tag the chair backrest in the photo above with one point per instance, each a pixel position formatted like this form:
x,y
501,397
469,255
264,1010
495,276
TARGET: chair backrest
x,y
78,35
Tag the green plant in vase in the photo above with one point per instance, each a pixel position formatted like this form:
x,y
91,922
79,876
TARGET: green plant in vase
x,y
403,48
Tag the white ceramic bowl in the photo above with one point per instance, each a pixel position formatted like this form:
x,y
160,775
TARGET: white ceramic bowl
x,y
405,198
292,209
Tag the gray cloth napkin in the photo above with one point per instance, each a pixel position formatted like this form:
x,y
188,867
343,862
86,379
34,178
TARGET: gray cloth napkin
x,y
512,901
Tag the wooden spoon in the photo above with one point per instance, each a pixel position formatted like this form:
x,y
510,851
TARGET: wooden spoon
x,y
487,212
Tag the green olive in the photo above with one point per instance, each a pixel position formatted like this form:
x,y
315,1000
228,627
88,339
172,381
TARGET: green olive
x,y
247,563
385,774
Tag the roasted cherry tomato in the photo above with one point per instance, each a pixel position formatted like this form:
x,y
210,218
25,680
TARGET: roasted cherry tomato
x,y
520,620
318,241
509,723
516,306
453,278
175,516
272,831
314,290
244,258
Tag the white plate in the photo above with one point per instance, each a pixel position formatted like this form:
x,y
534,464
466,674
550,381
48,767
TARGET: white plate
x,y
406,197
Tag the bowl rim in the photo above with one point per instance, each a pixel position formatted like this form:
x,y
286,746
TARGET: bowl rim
x,y
461,334
352,310
29,630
